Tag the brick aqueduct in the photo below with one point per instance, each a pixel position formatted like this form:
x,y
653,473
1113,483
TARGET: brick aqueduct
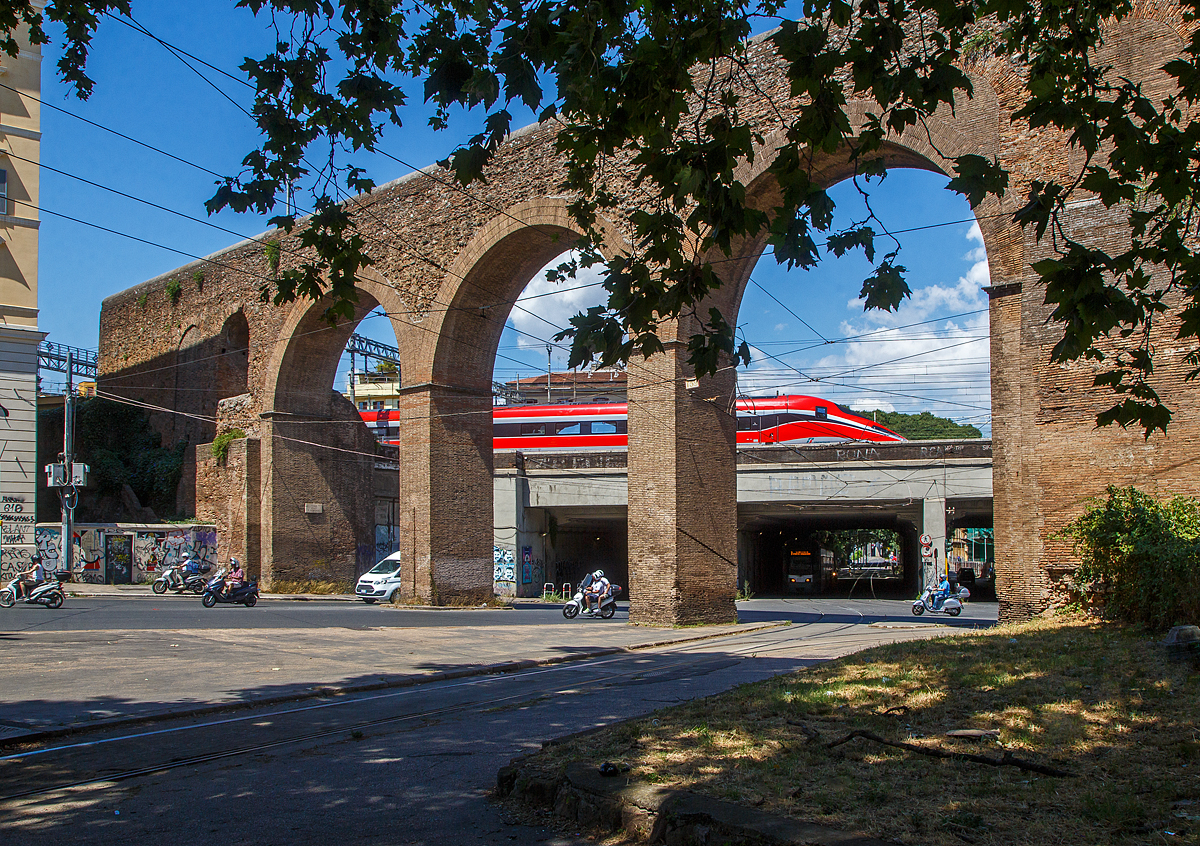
x,y
294,496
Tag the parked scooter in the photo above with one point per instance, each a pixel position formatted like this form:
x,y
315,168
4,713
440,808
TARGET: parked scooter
x,y
608,605
48,593
952,604
175,578
214,592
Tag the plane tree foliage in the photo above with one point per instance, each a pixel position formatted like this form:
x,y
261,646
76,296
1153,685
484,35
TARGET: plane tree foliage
x,y
651,84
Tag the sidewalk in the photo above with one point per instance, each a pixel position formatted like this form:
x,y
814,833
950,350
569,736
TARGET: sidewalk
x,y
57,682
144,592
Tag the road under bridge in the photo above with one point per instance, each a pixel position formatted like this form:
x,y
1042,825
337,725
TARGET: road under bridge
x,y
560,514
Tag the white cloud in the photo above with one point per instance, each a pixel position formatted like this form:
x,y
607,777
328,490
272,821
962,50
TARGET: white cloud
x,y
545,307
779,327
932,354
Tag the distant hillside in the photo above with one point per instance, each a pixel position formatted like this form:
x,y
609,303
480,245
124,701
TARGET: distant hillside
x,y
923,426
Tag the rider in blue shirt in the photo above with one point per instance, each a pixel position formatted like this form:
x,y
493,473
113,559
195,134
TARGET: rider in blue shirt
x,y
942,593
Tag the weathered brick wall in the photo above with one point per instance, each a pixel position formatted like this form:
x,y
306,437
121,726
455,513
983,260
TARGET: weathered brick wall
x,y
227,495
449,265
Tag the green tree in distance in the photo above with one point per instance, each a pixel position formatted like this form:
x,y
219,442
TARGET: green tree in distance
x,y
923,426
652,85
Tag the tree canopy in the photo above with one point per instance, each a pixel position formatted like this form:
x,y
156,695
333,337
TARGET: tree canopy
x,y
923,426
646,82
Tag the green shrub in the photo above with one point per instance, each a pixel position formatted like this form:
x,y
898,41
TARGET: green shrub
x,y
1140,557
174,291
198,278
220,444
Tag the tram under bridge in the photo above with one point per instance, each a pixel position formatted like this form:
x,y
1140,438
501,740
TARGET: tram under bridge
x,y
565,513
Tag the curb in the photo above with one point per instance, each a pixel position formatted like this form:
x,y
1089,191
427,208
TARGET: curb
x,y
337,690
654,814
139,593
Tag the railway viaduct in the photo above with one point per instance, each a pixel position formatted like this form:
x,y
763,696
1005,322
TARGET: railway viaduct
x,y
293,493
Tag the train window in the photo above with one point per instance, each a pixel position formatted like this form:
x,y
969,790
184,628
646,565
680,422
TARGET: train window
x,y
604,427
566,429
822,412
533,428
748,423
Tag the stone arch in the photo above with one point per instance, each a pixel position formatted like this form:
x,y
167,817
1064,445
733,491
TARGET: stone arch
x,y
446,444
682,431
317,457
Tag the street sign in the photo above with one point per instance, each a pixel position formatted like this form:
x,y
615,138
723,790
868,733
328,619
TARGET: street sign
x,y
926,540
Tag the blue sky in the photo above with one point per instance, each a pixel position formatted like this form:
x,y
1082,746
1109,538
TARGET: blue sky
x,y
808,331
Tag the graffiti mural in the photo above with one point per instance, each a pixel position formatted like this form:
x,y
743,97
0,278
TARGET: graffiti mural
x,y
504,571
153,548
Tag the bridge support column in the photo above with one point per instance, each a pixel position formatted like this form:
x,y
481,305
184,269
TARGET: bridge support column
x,y
682,493
318,497
933,523
445,506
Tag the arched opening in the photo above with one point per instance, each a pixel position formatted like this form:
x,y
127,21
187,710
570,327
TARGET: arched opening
x,y
447,508
810,336
321,466
554,523
923,370
233,356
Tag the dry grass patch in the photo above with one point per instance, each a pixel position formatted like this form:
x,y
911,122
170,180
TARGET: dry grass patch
x,y
1070,693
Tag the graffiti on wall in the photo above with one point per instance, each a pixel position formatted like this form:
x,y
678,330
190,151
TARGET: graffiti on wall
x,y
504,571
153,549
387,541
156,550
16,535
88,557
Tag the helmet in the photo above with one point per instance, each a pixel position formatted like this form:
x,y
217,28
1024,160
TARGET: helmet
x,y
233,563
599,574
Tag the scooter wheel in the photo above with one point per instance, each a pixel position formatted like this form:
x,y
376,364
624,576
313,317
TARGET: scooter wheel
x,y
251,601
159,586
570,610
607,611
55,600
953,612
209,600
7,599
198,589
918,610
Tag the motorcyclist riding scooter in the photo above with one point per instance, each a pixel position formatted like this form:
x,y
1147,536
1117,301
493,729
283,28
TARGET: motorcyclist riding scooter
x,y
596,592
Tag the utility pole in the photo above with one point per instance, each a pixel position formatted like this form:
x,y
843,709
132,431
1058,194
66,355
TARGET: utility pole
x,y
549,368
352,399
68,495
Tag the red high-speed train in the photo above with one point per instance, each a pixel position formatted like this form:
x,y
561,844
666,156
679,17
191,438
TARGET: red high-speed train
x,y
761,421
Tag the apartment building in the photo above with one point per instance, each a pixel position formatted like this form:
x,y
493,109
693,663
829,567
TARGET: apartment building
x,y
20,141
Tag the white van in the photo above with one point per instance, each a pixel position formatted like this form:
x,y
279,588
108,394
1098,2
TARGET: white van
x,y
381,582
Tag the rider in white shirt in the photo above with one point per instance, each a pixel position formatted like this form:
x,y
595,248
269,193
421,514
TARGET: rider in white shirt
x,y
597,590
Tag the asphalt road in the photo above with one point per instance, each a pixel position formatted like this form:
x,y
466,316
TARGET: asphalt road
x,y
407,766
179,613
